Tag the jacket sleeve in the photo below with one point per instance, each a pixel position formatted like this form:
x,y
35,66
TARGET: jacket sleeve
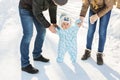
x,y
85,6
108,6
38,13
52,13
118,3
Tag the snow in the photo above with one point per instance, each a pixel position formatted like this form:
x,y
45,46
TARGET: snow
x,y
11,33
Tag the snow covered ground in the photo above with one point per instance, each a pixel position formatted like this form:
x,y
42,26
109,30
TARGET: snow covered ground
x,y
11,33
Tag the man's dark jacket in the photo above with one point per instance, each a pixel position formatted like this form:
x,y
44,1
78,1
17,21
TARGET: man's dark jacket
x,y
37,7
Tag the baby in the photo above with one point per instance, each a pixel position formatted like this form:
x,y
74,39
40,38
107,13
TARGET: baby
x,y
67,38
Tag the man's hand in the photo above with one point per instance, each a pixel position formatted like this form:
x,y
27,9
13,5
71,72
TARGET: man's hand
x,y
93,18
52,28
55,25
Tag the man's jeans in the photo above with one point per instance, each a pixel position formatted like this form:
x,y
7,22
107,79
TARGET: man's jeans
x,y
27,20
102,31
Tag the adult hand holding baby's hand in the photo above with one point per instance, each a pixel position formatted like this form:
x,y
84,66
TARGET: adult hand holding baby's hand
x,y
78,22
52,28
55,25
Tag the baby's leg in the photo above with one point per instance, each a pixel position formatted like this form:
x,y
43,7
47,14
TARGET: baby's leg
x,y
61,53
73,53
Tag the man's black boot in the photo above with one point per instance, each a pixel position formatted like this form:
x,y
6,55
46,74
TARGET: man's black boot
x,y
30,69
42,59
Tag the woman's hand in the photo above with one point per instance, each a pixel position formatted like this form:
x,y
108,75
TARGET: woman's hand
x,y
80,21
93,18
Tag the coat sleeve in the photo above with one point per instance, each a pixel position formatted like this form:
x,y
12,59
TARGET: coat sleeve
x,y
118,3
52,13
108,6
38,13
85,6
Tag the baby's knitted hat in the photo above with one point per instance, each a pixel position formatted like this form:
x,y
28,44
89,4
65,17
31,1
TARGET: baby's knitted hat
x,y
64,18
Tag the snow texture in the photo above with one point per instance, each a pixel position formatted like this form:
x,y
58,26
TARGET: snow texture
x,y
11,34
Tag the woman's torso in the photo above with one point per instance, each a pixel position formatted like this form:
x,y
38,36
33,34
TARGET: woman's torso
x,y
97,5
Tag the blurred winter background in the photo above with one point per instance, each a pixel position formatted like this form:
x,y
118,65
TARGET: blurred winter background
x,y
11,34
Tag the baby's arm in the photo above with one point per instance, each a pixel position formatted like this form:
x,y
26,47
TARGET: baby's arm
x,y
58,30
78,23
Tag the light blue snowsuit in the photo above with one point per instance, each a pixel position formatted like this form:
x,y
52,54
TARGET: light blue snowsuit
x,y
67,42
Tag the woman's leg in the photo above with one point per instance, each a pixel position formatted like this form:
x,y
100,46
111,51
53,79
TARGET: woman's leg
x,y
103,30
90,33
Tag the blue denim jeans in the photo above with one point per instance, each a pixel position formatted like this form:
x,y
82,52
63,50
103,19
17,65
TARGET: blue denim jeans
x,y
27,20
103,23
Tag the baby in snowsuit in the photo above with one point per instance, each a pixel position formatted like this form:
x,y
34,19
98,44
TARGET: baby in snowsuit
x,y
67,38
